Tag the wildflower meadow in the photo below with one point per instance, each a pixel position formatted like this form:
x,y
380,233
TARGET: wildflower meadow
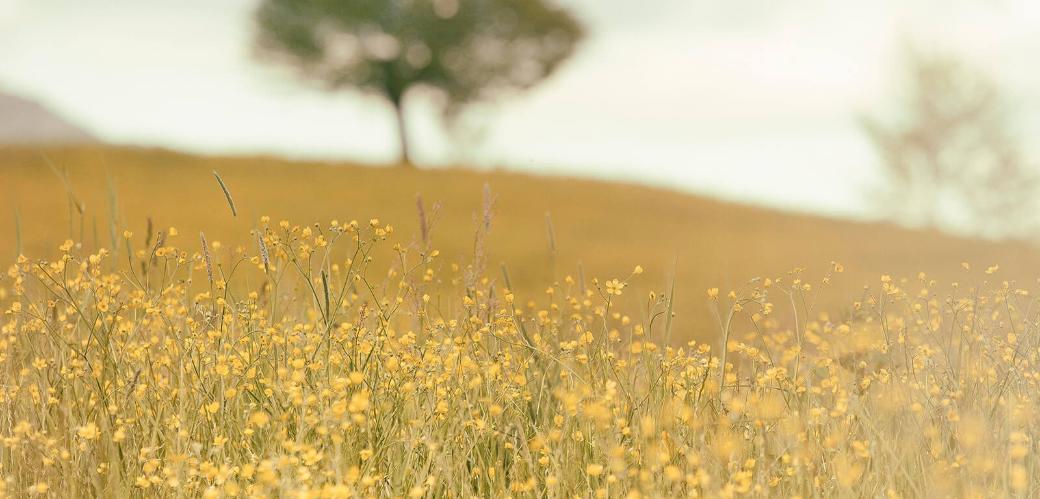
x,y
343,359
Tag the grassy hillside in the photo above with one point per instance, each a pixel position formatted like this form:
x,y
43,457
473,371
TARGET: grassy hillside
x,y
607,228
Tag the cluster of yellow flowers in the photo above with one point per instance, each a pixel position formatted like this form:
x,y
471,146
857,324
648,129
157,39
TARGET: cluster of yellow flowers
x,y
307,367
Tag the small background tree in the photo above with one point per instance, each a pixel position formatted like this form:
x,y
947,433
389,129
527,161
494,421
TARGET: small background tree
x,y
464,49
952,161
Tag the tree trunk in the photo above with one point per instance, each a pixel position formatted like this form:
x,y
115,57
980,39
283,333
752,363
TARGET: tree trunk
x,y
402,132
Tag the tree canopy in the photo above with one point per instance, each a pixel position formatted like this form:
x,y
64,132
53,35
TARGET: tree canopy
x,y
953,160
466,50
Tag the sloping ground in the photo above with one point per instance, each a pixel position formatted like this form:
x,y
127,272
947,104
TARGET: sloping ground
x,y
23,121
608,227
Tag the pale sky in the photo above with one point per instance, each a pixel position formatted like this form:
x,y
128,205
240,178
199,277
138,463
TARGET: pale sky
x,y
752,100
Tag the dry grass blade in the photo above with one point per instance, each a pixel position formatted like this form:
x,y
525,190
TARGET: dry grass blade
x,y
551,232
424,227
227,194
265,256
505,276
325,292
206,257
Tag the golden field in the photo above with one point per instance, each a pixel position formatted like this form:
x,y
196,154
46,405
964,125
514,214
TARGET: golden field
x,y
305,348
600,229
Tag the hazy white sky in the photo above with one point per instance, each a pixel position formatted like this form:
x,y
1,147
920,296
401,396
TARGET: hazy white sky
x,y
752,100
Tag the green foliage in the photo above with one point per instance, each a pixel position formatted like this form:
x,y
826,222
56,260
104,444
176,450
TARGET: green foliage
x,y
465,49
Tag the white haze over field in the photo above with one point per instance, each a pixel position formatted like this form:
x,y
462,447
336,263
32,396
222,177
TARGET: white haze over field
x,y
751,100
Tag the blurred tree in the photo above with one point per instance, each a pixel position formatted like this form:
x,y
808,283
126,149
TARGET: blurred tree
x,y
465,49
953,161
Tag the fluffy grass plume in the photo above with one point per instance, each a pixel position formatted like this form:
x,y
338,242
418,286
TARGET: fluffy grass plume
x,y
338,360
